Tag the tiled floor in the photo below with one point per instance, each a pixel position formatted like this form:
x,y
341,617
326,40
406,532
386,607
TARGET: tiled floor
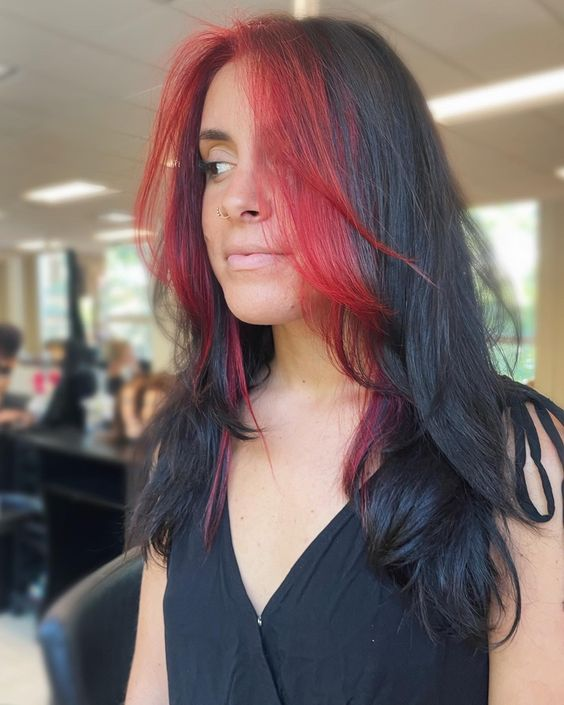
x,y
22,675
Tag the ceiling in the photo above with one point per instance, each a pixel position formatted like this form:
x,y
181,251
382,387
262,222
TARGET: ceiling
x,y
82,101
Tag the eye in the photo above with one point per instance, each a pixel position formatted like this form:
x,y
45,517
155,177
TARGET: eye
x,y
213,169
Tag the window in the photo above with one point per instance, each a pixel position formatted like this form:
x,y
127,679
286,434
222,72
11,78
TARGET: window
x,y
125,310
53,295
512,230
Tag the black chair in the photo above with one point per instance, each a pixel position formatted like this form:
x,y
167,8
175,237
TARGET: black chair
x,y
88,635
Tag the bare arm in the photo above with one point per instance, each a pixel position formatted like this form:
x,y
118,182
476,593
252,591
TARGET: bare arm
x,y
528,669
148,683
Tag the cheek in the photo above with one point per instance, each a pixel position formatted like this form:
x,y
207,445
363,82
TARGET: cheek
x,y
210,229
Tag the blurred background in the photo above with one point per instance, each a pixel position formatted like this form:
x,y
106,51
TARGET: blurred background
x,y
83,364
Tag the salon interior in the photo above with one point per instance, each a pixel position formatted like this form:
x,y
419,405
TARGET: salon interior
x,y
84,363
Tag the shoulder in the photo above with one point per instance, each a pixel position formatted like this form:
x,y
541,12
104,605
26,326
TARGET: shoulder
x,y
528,668
537,435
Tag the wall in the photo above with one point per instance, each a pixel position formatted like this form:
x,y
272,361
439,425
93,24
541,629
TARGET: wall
x,y
550,310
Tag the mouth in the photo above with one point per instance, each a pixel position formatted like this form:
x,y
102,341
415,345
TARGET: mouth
x,y
253,260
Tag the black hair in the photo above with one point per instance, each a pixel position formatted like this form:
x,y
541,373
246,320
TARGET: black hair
x,y
442,496
10,340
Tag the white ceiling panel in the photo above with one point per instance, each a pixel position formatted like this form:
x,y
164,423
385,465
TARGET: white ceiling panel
x,y
489,176
14,122
91,72
102,72
528,137
555,114
85,19
222,12
150,37
555,7
92,68
493,39
38,96
148,98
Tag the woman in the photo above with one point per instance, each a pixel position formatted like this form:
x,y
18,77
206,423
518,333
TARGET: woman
x,y
334,514
121,365
128,424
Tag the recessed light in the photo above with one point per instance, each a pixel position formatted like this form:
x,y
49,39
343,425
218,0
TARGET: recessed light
x,y
116,217
529,91
119,234
305,8
69,191
32,245
559,172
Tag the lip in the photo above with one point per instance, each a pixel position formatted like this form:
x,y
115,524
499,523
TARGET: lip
x,y
253,260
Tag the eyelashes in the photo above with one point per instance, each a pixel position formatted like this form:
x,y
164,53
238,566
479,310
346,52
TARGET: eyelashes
x,y
213,169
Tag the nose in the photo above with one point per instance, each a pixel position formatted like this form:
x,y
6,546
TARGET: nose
x,y
242,199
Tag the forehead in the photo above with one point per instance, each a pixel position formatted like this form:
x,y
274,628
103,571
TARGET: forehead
x,y
226,105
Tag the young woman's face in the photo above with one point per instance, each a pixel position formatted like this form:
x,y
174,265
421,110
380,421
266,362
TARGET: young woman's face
x,y
259,283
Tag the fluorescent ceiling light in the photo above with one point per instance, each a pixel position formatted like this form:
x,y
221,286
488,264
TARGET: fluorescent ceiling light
x,y
116,217
37,245
119,234
534,90
32,245
306,8
70,191
559,172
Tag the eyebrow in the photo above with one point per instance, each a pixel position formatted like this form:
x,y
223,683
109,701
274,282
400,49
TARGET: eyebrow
x,y
213,134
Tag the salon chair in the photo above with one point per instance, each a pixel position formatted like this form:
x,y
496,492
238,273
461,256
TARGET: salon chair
x,y
88,635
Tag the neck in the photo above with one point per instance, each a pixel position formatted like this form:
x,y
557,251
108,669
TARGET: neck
x,y
302,367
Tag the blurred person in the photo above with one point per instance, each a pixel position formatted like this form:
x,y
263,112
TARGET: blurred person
x,y
13,410
154,392
55,350
10,345
77,383
128,424
121,364
137,401
346,502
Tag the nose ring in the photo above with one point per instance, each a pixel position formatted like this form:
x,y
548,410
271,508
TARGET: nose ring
x,y
220,214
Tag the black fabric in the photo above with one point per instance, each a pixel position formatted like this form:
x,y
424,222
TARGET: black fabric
x,y
334,633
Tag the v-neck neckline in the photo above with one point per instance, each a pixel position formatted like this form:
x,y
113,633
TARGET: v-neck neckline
x,y
281,590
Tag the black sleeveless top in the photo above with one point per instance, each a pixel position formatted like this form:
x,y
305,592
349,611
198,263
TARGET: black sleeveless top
x,y
333,633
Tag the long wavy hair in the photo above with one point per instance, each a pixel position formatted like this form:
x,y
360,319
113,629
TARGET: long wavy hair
x,y
358,176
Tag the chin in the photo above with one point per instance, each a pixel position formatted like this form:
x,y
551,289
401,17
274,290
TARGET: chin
x,y
264,313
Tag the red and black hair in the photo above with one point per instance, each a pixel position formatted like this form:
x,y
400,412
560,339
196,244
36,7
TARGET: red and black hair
x,y
359,180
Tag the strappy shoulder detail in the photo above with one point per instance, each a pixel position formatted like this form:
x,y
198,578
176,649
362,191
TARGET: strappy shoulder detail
x,y
525,433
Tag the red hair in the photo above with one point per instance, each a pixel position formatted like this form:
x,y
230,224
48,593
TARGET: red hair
x,y
308,164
